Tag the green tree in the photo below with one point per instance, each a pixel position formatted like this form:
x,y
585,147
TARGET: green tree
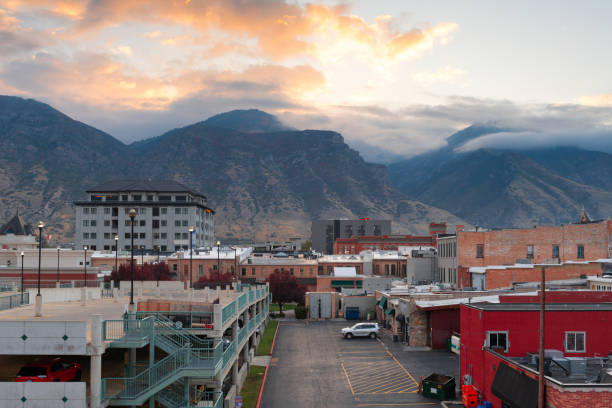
x,y
307,245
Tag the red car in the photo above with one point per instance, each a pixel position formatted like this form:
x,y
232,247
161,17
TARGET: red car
x,y
49,371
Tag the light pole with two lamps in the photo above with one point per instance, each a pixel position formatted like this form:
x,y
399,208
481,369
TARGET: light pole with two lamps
x,y
58,256
22,254
218,261
132,215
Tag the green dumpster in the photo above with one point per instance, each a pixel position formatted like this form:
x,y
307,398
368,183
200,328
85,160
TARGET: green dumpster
x,y
439,386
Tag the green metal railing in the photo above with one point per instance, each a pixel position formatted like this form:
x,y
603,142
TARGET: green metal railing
x,y
242,301
164,371
174,397
251,325
195,320
251,296
229,311
228,354
242,334
122,329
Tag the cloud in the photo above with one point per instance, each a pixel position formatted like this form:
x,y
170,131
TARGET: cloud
x,y
280,29
14,39
445,74
596,100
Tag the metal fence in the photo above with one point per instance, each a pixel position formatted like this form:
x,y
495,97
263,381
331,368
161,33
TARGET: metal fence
x,y
11,301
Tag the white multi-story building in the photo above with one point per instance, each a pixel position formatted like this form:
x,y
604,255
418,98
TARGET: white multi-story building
x,y
165,210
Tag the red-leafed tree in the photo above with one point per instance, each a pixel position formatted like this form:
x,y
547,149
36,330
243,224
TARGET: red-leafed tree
x,y
285,289
146,272
223,279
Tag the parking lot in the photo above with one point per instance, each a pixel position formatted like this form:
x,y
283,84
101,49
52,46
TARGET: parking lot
x,y
313,365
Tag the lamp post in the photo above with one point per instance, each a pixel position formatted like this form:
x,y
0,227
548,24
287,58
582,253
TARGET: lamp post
x,y
22,277
218,262
58,251
40,228
132,215
38,303
116,253
191,256
235,264
85,266
157,248
142,248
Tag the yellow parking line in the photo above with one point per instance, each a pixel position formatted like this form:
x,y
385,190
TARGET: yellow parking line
x,y
378,387
401,389
403,368
395,386
347,379
380,384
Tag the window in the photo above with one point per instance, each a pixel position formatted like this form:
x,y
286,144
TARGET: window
x,y
479,251
377,269
164,198
529,251
106,247
243,271
112,198
127,236
164,223
185,223
155,223
127,223
185,211
86,235
177,211
107,235
575,342
164,248
85,210
92,236
386,269
200,270
149,198
93,223
94,210
142,210
107,210
498,340
143,223
156,211
180,198
164,235
580,252
107,223
185,235
86,223
137,197
177,223
163,211
142,235
555,251
156,235
177,235
174,267
124,197
329,270
252,271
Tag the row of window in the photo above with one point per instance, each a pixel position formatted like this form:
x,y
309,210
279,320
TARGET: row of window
x,y
447,249
530,251
309,272
574,342
137,197
448,275
156,211
142,223
142,235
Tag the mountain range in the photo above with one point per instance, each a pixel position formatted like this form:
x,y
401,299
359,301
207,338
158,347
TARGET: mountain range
x,y
508,187
265,180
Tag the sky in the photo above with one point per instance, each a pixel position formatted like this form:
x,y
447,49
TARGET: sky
x,y
396,78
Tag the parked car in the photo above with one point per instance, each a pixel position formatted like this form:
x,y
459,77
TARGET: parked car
x,y
49,371
361,330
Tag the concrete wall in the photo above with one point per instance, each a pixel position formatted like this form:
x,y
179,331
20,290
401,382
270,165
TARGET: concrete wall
x,y
53,295
371,285
364,303
42,395
46,338
421,270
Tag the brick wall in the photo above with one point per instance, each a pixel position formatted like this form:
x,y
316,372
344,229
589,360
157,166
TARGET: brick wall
x,y
503,278
504,247
559,397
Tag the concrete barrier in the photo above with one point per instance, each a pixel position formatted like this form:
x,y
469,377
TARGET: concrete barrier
x,y
43,394
52,295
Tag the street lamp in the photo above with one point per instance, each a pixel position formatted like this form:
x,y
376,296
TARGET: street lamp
x,y
22,254
235,264
142,248
218,263
132,215
116,252
58,251
41,225
85,267
191,256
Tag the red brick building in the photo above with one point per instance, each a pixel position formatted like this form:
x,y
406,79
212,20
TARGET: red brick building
x,y
496,340
356,245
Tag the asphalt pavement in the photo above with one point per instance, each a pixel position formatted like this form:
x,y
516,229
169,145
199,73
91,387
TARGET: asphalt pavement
x,y
313,366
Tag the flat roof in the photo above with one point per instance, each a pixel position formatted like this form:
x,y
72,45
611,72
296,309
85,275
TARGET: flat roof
x,y
503,307
153,186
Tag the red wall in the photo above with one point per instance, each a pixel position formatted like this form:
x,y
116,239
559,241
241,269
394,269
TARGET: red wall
x,y
522,327
443,324
558,296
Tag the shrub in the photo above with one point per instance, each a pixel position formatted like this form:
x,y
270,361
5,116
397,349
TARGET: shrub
x,y
301,312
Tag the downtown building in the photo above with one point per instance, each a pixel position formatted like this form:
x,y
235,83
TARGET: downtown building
x,y
165,210
326,232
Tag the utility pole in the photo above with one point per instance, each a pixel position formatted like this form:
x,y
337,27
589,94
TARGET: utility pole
x,y
541,389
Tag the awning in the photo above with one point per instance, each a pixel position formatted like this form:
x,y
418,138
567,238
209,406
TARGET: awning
x,y
390,311
515,388
382,302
